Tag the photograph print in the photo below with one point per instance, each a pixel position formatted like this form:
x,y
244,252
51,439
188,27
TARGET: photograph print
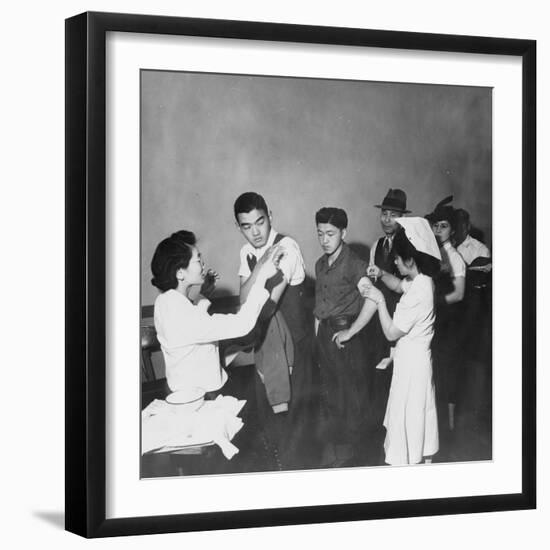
x,y
315,273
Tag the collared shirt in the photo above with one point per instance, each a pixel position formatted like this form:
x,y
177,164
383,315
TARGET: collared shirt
x,y
336,290
451,261
291,264
189,336
471,248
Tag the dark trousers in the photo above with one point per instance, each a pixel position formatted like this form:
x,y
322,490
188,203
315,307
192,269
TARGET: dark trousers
x,y
343,387
449,353
294,434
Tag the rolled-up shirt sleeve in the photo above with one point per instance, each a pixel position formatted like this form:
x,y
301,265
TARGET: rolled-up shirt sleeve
x,y
195,326
292,263
458,266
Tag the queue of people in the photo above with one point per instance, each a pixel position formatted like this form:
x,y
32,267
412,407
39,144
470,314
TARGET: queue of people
x,y
369,367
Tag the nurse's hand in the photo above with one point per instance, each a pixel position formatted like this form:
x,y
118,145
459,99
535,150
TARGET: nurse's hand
x,y
209,284
373,294
363,285
374,272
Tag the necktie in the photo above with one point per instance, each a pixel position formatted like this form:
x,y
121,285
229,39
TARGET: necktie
x,y
386,248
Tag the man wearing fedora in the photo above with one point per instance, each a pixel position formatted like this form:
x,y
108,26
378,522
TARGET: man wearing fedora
x,y
382,259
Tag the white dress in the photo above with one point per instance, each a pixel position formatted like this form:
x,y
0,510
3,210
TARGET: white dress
x,y
411,415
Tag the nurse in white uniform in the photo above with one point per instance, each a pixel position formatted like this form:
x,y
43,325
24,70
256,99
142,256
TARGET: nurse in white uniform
x,y
188,335
411,414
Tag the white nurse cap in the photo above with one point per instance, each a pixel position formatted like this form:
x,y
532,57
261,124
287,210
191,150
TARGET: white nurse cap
x,y
421,236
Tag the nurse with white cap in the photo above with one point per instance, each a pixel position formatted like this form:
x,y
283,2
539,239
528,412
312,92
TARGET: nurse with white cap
x,y
411,415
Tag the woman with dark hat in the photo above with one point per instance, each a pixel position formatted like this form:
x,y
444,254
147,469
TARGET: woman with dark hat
x,y
411,414
450,287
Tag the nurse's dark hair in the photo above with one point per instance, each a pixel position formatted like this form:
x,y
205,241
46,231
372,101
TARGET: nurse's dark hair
x,y
332,215
247,202
171,254
426,264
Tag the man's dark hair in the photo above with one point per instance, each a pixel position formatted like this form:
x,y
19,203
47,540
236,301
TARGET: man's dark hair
x,y
426,264
171,254
247,202
332,215
463,226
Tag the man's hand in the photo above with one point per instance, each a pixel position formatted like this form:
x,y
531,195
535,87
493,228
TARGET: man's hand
x,y
340,337
484,268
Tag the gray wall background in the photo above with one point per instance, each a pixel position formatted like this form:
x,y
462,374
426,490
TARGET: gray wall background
x,y
303,144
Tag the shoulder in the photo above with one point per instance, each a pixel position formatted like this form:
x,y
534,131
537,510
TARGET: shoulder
x,y
424,283
163,298
353,258
289,244
245,249
376,244
454,257
480,247
417,290
170,300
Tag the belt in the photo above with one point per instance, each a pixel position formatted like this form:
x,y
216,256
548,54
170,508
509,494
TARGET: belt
x,y
339,322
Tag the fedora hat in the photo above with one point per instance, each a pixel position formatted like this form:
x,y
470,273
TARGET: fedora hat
x,y
395,199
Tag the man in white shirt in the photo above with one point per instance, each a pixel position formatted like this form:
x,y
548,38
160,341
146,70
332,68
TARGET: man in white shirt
x,y
290,387
468,247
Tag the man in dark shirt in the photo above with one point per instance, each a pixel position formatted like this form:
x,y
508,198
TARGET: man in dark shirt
x,y
340,313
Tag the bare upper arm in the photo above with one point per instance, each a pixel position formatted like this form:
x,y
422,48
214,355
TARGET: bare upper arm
x,y
395,333
460,286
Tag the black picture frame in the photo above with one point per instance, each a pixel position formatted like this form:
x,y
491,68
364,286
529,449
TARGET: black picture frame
x,y
86,267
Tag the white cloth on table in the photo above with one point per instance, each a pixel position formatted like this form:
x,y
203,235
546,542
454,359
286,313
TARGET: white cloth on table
x,y
411,415
189,336
167,427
